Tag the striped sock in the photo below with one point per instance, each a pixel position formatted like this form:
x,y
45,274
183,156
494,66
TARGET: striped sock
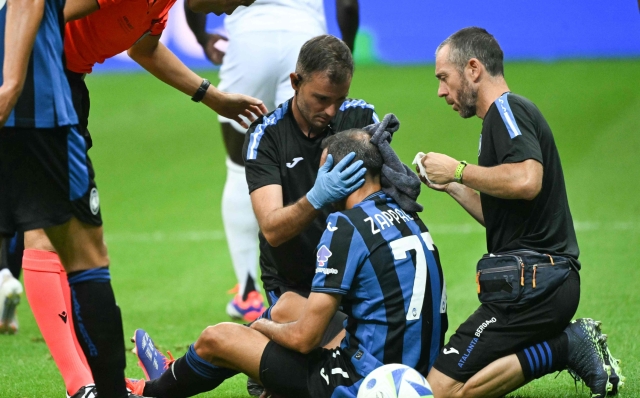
x,y
544,358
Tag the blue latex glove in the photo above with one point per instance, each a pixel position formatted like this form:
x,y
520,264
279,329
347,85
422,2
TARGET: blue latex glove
x,y
337,184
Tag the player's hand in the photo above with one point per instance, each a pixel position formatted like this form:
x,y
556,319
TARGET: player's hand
x,y
213,54
440,169
333,185
8,99
233,106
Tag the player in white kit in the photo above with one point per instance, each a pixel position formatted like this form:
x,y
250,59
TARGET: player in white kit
x,y
258,51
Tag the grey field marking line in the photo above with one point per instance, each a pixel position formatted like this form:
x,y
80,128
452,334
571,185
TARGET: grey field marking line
x,y
436,229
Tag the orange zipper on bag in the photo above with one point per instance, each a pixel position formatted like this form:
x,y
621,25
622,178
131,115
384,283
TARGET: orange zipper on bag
x,y
535,267
478,281
551,259
522,273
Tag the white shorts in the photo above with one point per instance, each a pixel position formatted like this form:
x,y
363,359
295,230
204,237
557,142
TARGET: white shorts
x,y
259,63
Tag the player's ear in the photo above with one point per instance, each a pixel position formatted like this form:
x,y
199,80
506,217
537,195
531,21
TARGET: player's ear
x,y
296,80
474,69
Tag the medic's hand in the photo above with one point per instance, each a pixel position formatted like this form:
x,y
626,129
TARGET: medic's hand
x,y
335,185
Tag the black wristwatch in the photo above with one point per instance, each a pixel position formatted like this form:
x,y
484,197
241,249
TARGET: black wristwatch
x,y
202,90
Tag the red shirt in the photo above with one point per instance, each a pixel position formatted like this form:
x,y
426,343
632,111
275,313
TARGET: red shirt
x,y
114,28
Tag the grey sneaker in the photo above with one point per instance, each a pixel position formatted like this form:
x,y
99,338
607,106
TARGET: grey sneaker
x,y
616,378
586,361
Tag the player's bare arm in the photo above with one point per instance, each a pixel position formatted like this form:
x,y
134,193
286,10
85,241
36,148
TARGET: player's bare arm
x,y
217,7
277,222
306,333
197,23
76,9
349,20
23,20
521,180
155,57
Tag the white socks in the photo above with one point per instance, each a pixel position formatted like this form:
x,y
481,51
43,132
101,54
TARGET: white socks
x,y
240,225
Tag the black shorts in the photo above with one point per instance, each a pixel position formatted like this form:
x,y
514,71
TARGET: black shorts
x,y
498,330
46,178
315,375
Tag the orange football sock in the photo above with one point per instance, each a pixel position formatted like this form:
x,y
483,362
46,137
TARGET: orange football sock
x,y
42,282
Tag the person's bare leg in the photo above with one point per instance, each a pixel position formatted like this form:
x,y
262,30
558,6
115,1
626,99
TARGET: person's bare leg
x,y
80,246
241,229
37,240
495,380
232,346
288,308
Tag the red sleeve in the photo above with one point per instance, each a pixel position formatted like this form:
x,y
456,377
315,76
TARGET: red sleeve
x,y
159,24
107,3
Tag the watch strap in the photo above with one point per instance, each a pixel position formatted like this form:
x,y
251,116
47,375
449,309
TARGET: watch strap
x,y
459,170
202,90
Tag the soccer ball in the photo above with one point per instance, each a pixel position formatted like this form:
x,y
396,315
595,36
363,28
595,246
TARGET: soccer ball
x,y
395,381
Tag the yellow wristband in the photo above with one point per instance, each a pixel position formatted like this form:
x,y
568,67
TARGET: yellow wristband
x,y
459,170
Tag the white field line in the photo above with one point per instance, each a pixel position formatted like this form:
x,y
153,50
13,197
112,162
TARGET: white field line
x,y
438,229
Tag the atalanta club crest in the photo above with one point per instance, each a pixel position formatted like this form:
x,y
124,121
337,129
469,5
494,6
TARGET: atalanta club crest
x,y
323,255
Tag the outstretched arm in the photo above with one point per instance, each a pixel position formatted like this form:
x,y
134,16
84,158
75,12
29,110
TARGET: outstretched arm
x,y
22,22
155,57
306,333
349,19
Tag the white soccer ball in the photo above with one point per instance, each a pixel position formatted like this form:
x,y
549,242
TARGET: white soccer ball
x,y
395,381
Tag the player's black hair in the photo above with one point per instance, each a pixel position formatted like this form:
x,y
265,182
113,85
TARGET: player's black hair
x,y
327,54
477,43
358,141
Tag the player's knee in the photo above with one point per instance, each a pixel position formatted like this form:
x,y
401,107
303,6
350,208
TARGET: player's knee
x,y
211,342
287,308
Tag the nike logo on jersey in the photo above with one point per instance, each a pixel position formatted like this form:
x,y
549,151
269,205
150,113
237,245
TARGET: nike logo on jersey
x,y
448,351
294,162
330,228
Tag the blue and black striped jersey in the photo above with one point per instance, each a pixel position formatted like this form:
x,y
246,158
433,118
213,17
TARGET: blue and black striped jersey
x,y
45,101
383,262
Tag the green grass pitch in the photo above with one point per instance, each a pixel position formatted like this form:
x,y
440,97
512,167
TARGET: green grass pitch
x,y
160,168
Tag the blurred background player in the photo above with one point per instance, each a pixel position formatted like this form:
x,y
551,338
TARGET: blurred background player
x,y
93,38
10,286
263,44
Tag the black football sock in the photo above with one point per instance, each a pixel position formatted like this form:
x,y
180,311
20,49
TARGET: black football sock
x,y
187,376
249,287
98,325
544,358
